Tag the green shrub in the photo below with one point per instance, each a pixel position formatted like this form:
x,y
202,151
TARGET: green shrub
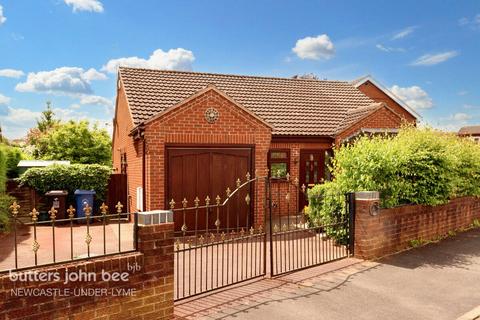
x,y
3,170
5,203
418,166
13,156
327,208
72,177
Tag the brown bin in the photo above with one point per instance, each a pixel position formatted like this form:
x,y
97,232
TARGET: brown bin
x,y
58,200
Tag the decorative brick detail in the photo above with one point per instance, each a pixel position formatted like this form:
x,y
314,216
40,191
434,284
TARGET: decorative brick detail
x,y
187,126
392,229
153,284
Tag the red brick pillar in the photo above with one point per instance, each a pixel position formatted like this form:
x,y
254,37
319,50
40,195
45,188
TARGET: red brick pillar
x,y
156,244
367,224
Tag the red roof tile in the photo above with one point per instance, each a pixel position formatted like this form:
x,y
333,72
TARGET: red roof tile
x,y
291,106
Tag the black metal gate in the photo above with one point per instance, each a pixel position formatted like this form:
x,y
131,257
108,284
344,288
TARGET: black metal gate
x,y
297,240
255,225
228,247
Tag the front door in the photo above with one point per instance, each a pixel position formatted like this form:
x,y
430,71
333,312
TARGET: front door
x,y
312,171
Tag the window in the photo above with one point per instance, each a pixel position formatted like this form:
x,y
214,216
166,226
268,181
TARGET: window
x,y
279,163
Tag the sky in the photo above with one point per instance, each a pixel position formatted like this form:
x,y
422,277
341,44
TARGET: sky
x,y
67,51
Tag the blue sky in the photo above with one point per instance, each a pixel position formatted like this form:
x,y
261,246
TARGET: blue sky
x,y
66,51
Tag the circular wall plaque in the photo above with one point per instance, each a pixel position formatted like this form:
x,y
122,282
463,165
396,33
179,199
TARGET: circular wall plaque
x,y
211,115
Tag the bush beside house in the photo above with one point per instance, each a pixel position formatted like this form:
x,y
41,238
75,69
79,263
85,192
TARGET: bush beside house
x,y
418,166
9,157
70,178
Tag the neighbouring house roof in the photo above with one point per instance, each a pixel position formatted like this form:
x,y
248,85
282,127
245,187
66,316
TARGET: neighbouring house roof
x,y
358,82
469,130
355,115
291,106
40,163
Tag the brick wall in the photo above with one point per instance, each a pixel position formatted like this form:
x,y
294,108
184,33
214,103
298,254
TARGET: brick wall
x,y
153,285
187,125
393,229
123,143
378,95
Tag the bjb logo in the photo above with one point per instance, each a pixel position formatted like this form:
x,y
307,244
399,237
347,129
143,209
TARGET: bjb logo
x,y
134,267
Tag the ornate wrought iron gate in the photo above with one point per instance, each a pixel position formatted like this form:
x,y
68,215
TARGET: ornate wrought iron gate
x,y
230,246
299,240
230,239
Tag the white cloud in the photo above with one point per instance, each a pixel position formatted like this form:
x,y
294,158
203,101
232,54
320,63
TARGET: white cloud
x,y
85,5
433,59
413,96
92,74
11,73
173,59
314,48
63,81
4,100
381,47
17,121
462,92
460,116
473,23
403,33
95,100
2,17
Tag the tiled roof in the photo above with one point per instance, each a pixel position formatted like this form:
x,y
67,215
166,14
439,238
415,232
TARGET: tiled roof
x,y
291,106
468,130
357,114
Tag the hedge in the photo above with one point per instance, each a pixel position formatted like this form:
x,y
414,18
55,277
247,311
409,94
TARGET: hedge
x,y
3,170
5,221
418,166
68,177
13,156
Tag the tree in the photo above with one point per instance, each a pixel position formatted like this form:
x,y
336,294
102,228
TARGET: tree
x,y
45,123
47,120
78,142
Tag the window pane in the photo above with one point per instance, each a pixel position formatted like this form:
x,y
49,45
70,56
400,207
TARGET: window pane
x,y
278,170
278,155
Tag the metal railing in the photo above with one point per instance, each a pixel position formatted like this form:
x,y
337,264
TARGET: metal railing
x,y
49,230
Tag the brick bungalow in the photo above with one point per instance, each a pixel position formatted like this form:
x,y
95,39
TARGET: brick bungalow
x,y
186,134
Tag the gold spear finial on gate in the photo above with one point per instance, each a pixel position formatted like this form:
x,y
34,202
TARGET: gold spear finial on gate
x,y
287,176
184,202
304,188
71,212
217,200
172,204
34,214
247,176
104,209
228,192
87,209
295,181
238,183
53,213
14,208
196,201
207,201
119,207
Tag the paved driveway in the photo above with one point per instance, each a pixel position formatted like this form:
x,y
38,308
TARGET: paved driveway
x,y
438,281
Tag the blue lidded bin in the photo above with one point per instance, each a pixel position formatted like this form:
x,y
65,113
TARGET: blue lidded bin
x,y
83,197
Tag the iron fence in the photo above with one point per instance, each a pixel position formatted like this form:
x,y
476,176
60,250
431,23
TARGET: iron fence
x,y
47,233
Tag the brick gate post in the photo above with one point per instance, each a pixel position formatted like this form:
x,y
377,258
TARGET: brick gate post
x,y
156,243
366,224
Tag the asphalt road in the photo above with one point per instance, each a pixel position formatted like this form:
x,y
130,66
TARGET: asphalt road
x,y
437,281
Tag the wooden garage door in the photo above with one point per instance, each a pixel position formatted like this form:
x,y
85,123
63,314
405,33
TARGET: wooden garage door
x,y
194,172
